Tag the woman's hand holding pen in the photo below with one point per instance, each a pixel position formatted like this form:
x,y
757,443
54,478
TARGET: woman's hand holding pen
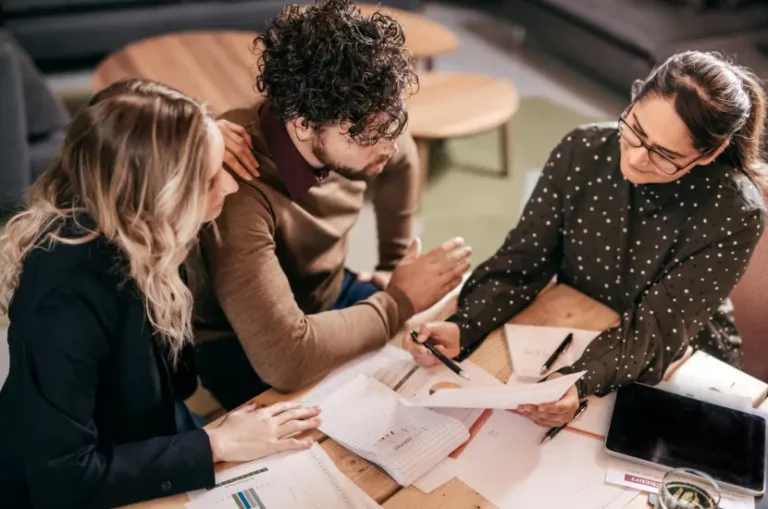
x,y
556,413
445,336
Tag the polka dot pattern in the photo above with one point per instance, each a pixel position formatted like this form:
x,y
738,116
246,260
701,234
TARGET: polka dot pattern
x,y
664,256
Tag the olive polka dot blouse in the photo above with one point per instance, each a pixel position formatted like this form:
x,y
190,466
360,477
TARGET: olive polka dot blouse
x,y
664,256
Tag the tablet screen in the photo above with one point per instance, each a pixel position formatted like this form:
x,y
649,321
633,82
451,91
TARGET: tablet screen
x,y
676,431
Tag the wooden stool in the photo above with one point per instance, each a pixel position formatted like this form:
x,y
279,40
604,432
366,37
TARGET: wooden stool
x,y
454,105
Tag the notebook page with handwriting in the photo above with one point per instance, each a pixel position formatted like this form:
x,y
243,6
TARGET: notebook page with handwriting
x,y
370,420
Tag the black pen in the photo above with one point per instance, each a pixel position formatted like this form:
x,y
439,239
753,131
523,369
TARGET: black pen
x,y
552,433
557,353
430,345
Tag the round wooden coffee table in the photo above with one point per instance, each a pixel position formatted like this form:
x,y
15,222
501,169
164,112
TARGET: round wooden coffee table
x,y
219,67
453,105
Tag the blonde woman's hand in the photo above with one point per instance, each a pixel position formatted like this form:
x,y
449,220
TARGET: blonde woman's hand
x,y
249,433
239,150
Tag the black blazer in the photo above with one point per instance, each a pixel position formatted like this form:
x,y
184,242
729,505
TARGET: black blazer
x,y
88,415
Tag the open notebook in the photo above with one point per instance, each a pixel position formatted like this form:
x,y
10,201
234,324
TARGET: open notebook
x,y
370,420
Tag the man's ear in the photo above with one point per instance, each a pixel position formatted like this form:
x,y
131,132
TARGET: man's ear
x,y
301,128
714,155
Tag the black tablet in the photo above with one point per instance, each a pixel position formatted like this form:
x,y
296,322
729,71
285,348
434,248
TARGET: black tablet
x,y
673,431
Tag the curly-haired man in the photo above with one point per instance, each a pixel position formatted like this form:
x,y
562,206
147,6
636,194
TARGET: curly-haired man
x,y
330,123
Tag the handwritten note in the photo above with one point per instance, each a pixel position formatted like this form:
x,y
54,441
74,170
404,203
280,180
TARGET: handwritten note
x,y
531,346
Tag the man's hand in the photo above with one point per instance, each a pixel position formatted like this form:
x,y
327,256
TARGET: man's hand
x,y
446,337
425,279
239,150
553,414
380,278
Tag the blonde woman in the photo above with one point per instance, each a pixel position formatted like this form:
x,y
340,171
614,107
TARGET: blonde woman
x,y
99,313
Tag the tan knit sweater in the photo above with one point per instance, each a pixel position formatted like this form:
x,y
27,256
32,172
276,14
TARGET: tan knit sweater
x,y
278,268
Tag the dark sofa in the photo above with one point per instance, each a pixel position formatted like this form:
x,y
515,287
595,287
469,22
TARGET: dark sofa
x,y
73,33
618,41
32,122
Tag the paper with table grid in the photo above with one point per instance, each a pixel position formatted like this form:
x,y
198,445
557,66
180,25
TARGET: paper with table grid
x,y
370,420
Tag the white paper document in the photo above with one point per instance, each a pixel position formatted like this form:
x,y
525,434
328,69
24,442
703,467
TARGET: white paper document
x,y
389,365
443,472
508,466
423,382
505,397
530,347
622,499
635,475
706,373
370,420
300,480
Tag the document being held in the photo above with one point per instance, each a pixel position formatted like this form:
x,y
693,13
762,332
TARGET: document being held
x,y
369,419
500,398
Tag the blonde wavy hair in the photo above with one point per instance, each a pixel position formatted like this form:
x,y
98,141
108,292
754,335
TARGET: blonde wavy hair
x,y
135,163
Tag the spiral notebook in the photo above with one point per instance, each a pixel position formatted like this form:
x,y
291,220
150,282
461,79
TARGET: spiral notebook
x,y
369,419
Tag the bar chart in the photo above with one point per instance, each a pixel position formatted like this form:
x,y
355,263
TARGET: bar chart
x,y
248,499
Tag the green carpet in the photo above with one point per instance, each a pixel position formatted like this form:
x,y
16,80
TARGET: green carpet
x,y
466,197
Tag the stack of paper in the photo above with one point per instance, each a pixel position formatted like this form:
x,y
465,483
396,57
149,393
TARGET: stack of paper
x,y
300,480
703,371
396,369
370,420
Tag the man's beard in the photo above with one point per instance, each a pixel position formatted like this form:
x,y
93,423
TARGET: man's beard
x,y
366,174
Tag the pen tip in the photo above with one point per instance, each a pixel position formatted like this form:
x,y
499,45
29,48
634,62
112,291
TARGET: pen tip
x,y
546,439
465,376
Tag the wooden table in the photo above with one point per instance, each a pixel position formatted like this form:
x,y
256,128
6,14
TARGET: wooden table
x,y
219,67
558,306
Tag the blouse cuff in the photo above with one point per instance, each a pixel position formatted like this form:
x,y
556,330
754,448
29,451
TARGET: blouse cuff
x,y
469,339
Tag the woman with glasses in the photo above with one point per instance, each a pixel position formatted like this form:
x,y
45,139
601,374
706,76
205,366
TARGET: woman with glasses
x,y
656,217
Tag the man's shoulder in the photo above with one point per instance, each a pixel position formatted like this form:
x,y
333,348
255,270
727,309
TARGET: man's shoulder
x,y
246,116
252,200
240,116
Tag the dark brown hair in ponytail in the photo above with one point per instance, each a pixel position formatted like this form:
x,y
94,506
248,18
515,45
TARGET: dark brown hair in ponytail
x,y
719,102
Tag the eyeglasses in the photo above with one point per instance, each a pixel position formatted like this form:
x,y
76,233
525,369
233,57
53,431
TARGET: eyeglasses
x,y
659,160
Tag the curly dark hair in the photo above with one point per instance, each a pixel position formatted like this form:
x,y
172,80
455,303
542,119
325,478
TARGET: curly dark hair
x,y
327,63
